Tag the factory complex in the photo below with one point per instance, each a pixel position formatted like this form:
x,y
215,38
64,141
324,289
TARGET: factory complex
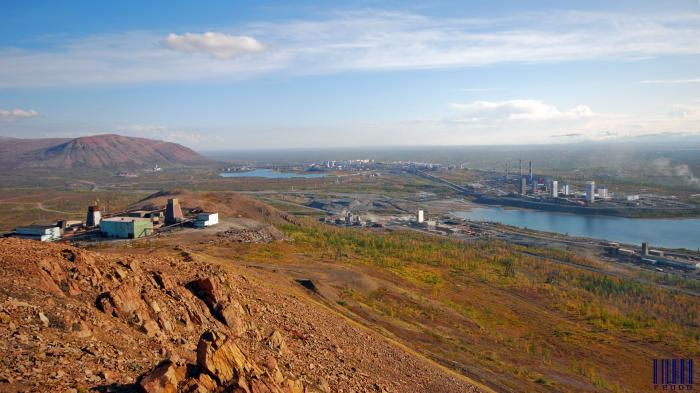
x,y
130,224
545,192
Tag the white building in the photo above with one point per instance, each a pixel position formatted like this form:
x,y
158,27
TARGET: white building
x,y
419,217
206,219
590,191
566,189
44,233
555,189
603,193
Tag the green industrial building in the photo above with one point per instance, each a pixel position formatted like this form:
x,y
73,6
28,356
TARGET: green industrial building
x,y
126,227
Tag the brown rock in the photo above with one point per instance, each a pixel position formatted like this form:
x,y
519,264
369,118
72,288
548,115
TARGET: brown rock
x,y
293,386
276,342
206,290
206,382
108,376
220,357
74,288
151,328
163,379
163,281
232,315
81,330
44,320
323,385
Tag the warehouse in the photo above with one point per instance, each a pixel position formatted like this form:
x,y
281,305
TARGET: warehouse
x,y
44,233
206,219
126,227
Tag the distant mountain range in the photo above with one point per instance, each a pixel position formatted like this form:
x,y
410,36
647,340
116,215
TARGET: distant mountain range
x,y
98,151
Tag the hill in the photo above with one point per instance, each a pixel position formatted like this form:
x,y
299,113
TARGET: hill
x,y
118,321
96,152
227,204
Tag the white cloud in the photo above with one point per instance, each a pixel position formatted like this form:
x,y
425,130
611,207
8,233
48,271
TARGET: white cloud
x,y
164,133
16,114
365,41
218,45
519,110
685,112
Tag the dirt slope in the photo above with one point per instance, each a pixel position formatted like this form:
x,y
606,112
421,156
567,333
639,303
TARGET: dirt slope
x,y
227,204
99,151
73,320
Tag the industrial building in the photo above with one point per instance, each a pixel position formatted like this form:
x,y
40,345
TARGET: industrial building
x,y
93,216
173,212
206,219
126,227
44,233
420,217
555,189
603,193
590,192
656,258
566,189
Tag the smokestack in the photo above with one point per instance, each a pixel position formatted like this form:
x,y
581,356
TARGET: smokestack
x,y
173,212
520,164
93,216
506,170
530,171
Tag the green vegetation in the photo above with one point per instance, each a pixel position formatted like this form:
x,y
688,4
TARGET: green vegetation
x,y
520,322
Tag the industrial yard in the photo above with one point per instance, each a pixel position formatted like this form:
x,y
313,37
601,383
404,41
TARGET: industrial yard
x,y
127,224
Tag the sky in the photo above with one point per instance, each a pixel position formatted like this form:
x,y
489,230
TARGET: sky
x,y
220,75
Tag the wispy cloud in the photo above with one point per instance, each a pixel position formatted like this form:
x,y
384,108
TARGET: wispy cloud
x,y
519,110
16,114
351,41
672,81
217,45
161,132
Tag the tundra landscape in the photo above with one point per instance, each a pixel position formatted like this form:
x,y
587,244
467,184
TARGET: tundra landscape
x,y
366,197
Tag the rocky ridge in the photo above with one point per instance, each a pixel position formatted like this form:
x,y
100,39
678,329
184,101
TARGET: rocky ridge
x,y
74,320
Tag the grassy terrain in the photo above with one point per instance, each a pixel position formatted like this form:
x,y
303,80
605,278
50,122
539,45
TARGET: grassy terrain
x,y
512,321
23,207
66,194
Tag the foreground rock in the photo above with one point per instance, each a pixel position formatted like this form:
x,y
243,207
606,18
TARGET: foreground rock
x,y
74,320
221,366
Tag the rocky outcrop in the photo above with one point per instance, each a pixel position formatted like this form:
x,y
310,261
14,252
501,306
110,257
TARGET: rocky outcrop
x,y
225,309
163,379
74,320
221,366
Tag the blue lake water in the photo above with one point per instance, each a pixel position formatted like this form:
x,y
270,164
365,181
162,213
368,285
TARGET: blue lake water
x,y
272,174
671,233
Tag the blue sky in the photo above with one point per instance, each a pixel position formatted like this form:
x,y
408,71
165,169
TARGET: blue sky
x,y
233,75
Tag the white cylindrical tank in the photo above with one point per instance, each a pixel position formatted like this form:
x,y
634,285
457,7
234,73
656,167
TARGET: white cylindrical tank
x,y
590,191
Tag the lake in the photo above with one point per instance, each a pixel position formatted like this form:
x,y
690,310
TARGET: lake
x,y
670,233
272,174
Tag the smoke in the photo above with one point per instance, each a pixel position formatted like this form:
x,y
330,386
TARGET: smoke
x,y
664,167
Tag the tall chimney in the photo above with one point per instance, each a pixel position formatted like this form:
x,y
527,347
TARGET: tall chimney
x,y
530,171
93,216
173,212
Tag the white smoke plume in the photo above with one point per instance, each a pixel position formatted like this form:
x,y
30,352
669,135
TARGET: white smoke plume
x,y
664,167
